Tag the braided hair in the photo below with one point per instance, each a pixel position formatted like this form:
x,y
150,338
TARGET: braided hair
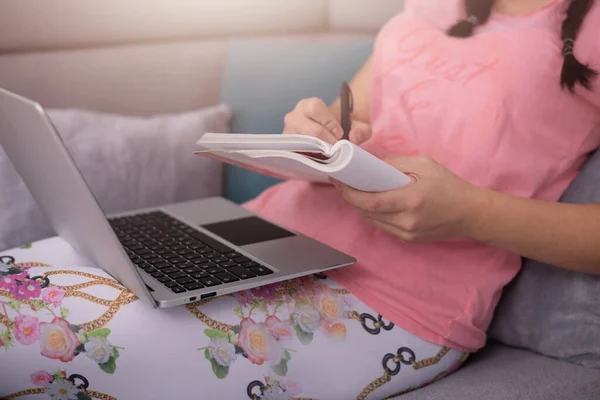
x,y
573,71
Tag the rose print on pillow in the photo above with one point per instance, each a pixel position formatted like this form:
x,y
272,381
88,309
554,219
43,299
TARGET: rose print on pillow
x,y
60,386
22,295
58,341
296,311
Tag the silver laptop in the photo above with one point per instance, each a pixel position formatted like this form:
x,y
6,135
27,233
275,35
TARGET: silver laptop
x,y
167,256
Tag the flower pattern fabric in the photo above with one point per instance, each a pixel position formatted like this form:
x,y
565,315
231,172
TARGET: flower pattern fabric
x,y
303,339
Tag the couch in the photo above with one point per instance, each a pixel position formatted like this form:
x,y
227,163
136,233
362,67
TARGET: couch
x,y
144,58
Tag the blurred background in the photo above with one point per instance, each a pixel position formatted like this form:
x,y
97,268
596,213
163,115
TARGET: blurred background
x,y
131,85
153,56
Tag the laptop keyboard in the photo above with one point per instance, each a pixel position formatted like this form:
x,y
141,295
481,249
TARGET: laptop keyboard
x,y
178,256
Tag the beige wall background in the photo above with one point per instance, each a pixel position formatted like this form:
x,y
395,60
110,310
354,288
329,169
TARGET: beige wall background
x,y
143,57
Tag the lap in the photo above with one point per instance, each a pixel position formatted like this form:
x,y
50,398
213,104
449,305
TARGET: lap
x,y
303,339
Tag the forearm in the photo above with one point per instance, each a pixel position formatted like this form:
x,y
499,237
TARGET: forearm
x,y
563,235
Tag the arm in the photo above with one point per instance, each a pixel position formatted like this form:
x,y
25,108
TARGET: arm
x,y
564,235
439,205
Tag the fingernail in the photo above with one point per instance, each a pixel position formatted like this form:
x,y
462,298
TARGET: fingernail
x,y
338,132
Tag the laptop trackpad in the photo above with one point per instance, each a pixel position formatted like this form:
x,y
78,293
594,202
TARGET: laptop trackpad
x,y
248,230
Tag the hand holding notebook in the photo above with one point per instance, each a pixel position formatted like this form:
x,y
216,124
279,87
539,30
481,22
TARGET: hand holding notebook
x,y
306,157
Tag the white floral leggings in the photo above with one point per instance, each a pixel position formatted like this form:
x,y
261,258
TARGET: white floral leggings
x,y
71,332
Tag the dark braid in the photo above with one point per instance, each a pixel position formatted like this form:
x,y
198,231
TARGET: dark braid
x,y
478,13
573,71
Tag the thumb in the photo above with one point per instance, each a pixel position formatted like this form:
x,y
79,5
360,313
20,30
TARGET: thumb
x,y
413,166
360,132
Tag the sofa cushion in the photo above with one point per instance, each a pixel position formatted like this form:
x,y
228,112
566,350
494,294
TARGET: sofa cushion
x,y
128,163
265,78
554,311
503,373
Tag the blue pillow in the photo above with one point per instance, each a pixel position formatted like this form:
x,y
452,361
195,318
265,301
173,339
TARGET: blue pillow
x,y
264,79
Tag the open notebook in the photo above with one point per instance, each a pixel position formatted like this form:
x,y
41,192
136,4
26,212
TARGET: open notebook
x,y
303,157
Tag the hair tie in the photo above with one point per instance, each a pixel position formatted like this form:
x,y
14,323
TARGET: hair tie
x,y
568,47
473,20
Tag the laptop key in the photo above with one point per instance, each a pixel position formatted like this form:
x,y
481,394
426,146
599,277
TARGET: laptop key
x,y
194,286
183,281
214,270
164,279
226,277
261,271
211,256
177,275
209,241
191,270
143,251
171,284
194,256
170,270
228,264
151,258
150,270
184,264
241,260
157,274
233,254
209,281
178,289
207,266
200,274
161,264
250,264
186,251
242,272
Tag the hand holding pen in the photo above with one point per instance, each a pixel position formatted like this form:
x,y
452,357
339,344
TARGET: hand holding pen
x,y
313,117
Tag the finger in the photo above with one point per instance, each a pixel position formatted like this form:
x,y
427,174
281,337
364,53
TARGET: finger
x,y
403,236
383,202
317,110
304,126
414,166
360,132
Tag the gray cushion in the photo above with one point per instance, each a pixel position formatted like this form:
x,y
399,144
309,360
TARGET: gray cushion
x,y
554,311
265,78
128,162
502,373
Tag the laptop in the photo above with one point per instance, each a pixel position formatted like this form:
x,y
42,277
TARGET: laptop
x,y
167,256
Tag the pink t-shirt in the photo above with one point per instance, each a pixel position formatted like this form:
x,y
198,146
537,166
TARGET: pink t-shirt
x,y
490,109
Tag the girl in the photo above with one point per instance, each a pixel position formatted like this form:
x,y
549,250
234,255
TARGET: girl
x,y
492,108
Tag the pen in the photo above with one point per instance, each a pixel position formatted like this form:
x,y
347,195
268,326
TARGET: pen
x,y
346,109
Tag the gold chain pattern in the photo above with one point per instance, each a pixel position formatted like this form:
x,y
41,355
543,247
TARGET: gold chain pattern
x,y
379,382
4,320
115,306
431,361
376,384
30,264
124,298
29,392
26,392
100,396
96,280
211,323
